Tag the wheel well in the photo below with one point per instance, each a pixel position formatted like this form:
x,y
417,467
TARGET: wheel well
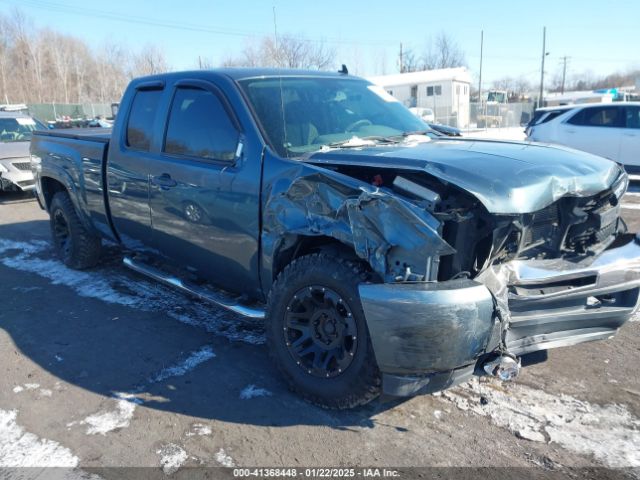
x,y
50,187
305,245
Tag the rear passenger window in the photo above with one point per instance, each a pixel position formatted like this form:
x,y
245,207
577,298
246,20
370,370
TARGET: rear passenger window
x,y
141,119
598,117
199,126
633,117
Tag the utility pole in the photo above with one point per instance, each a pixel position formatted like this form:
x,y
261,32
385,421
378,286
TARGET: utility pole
x,y
544,54
480,80
401,60
564,59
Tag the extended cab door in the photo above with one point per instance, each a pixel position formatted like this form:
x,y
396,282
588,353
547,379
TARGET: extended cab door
x,y
630,147
596,130
204,191
127,172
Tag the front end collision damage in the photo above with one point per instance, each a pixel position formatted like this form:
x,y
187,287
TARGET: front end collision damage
x,y
433,325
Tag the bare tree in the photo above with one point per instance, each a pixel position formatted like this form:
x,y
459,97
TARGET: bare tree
x,y
443,52
149,61
286,52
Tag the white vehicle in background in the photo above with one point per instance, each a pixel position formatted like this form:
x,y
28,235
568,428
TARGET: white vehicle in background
x,y
425,114
610,130
16,129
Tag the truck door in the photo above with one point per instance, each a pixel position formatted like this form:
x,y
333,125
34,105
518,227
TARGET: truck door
x,y
127,172
204,192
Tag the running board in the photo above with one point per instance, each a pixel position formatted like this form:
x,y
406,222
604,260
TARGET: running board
x,y
198,292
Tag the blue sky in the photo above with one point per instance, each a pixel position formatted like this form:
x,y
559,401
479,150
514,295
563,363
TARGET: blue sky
x,y
599,37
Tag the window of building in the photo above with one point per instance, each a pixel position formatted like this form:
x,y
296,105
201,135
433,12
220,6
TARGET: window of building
x,y
142,118
429,91
438,89
199,126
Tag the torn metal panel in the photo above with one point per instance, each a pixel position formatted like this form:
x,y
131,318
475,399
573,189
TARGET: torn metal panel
x,y
390,233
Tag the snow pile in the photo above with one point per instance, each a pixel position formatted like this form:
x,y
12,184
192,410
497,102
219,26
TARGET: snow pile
x,y
172,457
107,421
223,459
22,449
251,391
610,433
192,361
113,285
199,429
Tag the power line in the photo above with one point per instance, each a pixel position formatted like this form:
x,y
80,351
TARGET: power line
x,y
94,13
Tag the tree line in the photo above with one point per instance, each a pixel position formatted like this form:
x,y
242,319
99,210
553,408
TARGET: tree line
x,y
40,65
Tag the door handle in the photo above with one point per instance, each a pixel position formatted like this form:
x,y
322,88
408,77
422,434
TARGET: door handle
x,y
164,181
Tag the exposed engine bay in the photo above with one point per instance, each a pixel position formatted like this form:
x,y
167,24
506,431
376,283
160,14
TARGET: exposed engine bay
x,y
571,227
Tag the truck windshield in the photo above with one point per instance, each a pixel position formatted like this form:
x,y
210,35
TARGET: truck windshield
x,y
302,114
16,129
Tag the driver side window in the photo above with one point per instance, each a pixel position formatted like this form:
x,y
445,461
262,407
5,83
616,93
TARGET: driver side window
x,y
199,126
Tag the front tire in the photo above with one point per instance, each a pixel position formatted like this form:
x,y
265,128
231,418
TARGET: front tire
x,y
75,245
317,333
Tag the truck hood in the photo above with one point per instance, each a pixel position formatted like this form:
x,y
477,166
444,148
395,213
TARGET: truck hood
x,y
14,150
507,177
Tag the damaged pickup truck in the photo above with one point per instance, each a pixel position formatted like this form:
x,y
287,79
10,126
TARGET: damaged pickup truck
x,y
381,256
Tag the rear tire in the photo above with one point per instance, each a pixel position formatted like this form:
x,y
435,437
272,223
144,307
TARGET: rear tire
x,y
75,245
317,333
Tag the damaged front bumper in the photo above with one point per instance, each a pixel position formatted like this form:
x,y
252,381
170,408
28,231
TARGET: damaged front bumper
x,y
430,336
16,175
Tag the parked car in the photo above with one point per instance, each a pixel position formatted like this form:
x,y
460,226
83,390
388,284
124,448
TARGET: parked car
x,y
610,130
16,129
381,258
425,114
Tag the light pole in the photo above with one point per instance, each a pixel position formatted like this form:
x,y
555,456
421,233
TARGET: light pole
x,y
544,54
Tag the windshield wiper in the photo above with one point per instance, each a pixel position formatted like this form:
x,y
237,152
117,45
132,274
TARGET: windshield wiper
x,y
359,142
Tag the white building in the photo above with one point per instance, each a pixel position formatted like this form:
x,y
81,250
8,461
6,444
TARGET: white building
x,y
446,91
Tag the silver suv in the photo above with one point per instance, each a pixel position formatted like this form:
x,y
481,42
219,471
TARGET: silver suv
x,y
15,136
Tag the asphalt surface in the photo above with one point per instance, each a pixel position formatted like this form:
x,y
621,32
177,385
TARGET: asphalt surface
x,y
105,369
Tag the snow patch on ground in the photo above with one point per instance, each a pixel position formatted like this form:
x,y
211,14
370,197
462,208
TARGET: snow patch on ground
x,y
45,392
31,386
172,457
17,389
251,391
23,449
610,433
107,421
199,429
223,459
112,284
192,361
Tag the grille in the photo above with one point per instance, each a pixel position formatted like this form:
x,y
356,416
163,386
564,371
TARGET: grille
x,y
22,165
544,225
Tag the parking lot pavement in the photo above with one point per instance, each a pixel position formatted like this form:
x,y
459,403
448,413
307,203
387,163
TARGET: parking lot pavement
x,y
103,368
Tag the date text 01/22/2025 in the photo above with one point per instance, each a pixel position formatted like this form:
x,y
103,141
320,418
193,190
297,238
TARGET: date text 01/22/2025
x,y
315,473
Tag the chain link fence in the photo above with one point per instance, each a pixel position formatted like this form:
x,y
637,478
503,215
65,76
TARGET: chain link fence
x,y
486,114
51,112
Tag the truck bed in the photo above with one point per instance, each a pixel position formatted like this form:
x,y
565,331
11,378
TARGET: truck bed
x,y
76,157
102,135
